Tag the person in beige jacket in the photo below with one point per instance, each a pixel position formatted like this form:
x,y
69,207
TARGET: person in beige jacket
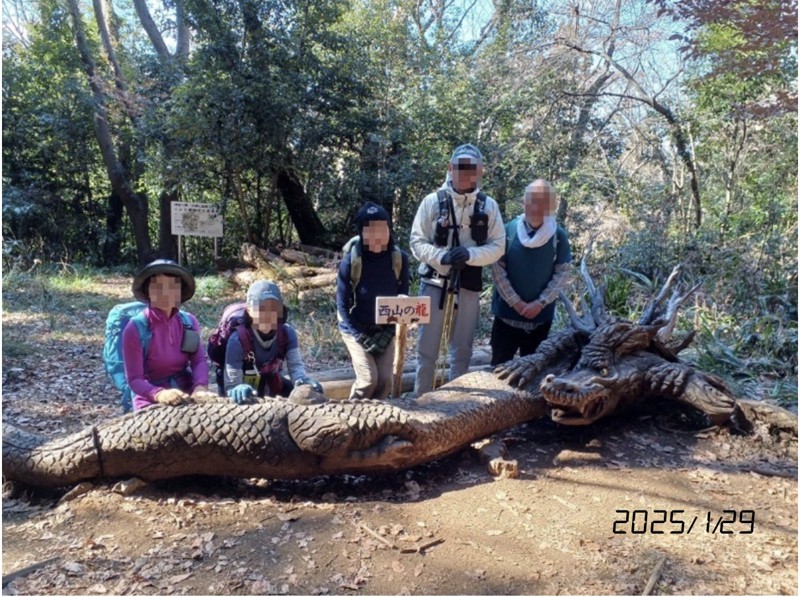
x,y
460,227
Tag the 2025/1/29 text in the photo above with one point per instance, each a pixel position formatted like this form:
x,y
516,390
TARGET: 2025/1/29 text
x,y
677,522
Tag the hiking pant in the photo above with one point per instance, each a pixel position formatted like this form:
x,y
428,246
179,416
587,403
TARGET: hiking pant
x,y
507,339
373,372
462,335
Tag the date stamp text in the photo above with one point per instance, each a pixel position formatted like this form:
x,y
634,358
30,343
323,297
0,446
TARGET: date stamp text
x,y
679,522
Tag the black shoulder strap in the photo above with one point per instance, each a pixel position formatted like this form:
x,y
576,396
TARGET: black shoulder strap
x,y
447,212
444,199
246,340
455,240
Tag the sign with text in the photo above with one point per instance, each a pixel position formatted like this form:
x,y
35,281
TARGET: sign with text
x,y
196,219
409,309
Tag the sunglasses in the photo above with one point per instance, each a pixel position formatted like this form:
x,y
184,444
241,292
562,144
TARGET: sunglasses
x,y
465,166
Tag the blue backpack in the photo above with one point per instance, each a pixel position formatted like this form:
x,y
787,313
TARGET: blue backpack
x,y
118,318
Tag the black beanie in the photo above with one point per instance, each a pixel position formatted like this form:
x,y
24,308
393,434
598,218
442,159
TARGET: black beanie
x,y
371,212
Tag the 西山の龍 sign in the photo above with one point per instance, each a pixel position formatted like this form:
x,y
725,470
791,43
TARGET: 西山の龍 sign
x,y
407,309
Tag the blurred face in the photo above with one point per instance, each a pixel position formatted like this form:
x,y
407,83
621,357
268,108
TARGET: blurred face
x,y
376,236
165,292
466,174
539,201
265,318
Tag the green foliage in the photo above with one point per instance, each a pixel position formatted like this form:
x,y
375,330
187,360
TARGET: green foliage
x,y
15,347
758,352
618,291
362,101
212,287
48,148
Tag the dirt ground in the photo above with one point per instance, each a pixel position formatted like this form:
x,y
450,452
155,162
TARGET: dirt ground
x,y
598,510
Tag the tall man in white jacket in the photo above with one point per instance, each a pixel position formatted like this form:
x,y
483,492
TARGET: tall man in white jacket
x,y
457,226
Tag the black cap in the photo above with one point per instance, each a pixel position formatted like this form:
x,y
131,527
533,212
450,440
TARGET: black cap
x,y
371,212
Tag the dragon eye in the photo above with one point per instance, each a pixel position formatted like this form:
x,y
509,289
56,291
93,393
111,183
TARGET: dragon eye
x,y
604,371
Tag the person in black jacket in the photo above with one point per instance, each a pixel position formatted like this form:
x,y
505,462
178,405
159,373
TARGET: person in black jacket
x,y
372,266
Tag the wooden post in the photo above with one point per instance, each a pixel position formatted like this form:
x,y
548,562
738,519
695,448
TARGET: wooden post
x,y
399,359
180,250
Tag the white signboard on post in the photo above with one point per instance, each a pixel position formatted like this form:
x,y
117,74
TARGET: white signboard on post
x,y
395,309
196,219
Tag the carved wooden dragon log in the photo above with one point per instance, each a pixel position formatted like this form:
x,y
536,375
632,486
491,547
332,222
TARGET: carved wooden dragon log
x,y
275,438
588,371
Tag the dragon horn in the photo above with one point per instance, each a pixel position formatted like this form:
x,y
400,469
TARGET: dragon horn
x,y
650,312
583,324
676,300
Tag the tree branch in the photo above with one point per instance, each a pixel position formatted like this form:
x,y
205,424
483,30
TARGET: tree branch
x,y
460,21
151,29
677,131
102,18
184,36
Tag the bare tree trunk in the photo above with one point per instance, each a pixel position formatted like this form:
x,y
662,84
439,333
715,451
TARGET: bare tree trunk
x,y
591,96
676,129
113,237
167,242
237,186
732,165
269,210
101,17
301,211
151,29
135,203
576,143
184,37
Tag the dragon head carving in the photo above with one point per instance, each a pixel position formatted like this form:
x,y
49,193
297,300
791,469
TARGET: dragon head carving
x,y
620,362
607,375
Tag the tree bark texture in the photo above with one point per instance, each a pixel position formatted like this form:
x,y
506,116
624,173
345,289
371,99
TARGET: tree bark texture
x,y
304,217
167,242
113,237
135,203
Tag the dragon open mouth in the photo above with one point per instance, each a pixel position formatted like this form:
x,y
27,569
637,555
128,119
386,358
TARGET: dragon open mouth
x,y
587,413
573,403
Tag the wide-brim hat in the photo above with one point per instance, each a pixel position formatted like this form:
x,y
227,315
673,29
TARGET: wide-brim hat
x,y
163,266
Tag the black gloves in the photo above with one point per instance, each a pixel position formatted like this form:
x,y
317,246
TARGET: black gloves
x,y
307,381
377,342
457,257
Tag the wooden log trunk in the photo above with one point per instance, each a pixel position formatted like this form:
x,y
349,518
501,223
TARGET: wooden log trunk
x,y
321,252
399,360
479,358
339,389
294,256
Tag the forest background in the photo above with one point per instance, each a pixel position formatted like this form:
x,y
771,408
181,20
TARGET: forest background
x,y
668,128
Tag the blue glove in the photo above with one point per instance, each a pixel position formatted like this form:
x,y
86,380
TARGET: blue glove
x,y
241,394
307,381
457,257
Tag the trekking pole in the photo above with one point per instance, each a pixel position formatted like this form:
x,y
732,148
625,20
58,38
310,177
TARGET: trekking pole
x,y
451,289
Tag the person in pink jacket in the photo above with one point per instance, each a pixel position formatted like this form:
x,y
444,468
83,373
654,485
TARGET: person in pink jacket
x,y
174,371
